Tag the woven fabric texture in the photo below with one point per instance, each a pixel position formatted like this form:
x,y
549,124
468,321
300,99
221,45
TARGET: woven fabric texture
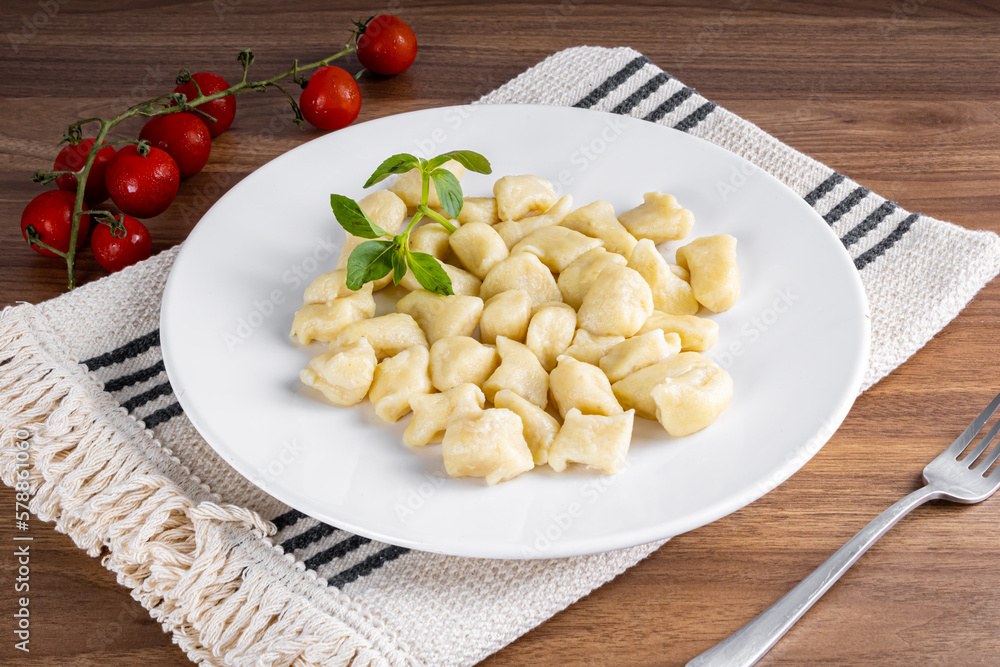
x,y
239,578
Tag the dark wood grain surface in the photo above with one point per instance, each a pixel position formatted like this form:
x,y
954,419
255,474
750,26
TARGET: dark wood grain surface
x,y
902,95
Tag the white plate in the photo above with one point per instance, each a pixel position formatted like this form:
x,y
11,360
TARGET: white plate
x,y
796,344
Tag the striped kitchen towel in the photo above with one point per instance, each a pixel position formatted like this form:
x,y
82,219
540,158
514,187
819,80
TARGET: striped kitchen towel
x,y
241,579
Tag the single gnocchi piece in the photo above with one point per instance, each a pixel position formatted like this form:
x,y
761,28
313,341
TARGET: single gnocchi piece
x,y
594,440
408,186
398,379
658,218
387,211
638,352
520,371
697,333
577,278
506,314
325,321
670,293
344,376
715,277
518,196
388,334
540,427
556,246
462,282
329,286
522,271
597,219
636,389
431,239
491,446
619,303
479,209
512,231
433,412
575,384
588,348
442,316
460,359
692,395
550,332
478,247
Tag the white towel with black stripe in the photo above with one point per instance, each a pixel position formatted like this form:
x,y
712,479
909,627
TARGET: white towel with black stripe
x,y
241,579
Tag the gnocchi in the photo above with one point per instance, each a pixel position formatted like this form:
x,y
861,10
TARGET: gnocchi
x,y
491,446
550,332
433,412
575,384
715,277
398,379
563,327
460,359
658,218
599,441
671,294
619,303
597,219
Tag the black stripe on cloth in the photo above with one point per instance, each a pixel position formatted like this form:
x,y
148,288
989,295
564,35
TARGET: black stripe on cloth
x,y
353,543
127,351
147,396
366,566
645,90
134,378
695,117
879,248
304,539
612,82
163,414
669,104
846,204
820,190
869,223
287,519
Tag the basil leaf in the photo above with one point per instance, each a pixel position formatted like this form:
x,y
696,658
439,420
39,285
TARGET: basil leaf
x,y
353,219
399,261
397,164
371,260
449,191
469,159
429,273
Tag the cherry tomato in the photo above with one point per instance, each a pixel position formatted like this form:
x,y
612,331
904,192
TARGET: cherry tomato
x,y
223,110
331,99
184,136
51,214
142,185
387,45
72,158
115,253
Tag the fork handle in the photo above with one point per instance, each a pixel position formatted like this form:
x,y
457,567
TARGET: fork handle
x,y
749,644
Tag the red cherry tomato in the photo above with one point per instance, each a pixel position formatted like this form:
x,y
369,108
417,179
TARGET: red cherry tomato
x,y
331,99
142,185
72,158
51,215
184,136
387,45
114,253
223,110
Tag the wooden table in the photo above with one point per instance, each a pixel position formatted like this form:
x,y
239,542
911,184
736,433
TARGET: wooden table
x,y
901,95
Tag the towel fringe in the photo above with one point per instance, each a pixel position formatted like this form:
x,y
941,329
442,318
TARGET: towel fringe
x,y
205,570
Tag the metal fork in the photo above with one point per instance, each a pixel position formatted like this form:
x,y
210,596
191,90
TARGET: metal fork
x,y
947,478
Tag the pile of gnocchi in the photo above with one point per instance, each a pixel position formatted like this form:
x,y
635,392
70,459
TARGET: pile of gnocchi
x,y
565,324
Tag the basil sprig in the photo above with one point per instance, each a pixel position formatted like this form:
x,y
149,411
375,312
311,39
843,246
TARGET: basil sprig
x,y
383,252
